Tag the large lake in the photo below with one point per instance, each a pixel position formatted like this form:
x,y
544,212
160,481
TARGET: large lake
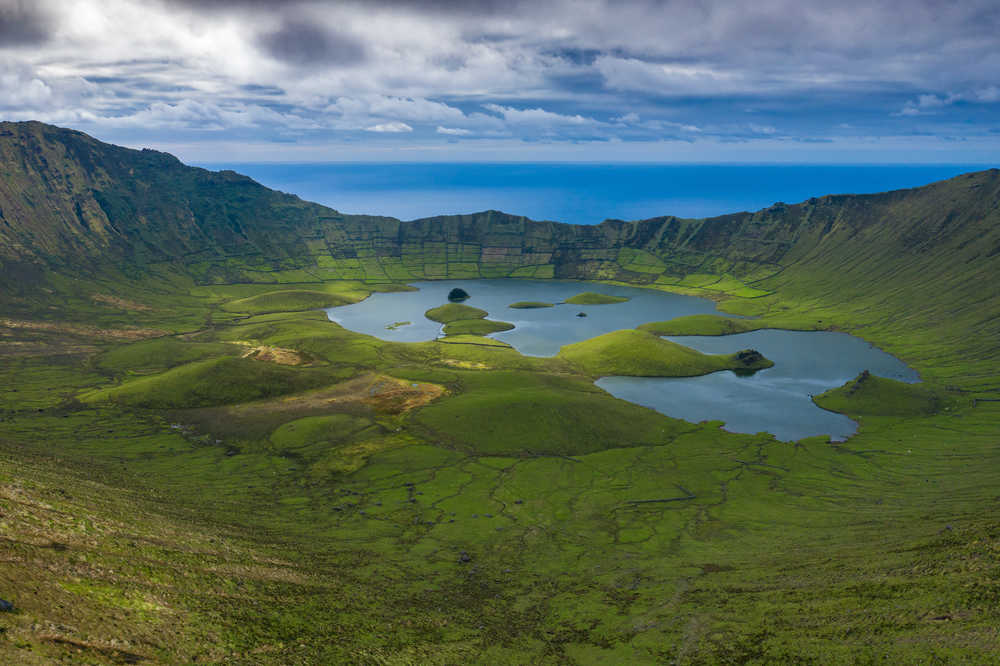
x,y
776,400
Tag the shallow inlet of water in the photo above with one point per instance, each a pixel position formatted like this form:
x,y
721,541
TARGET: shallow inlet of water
x,y
776,400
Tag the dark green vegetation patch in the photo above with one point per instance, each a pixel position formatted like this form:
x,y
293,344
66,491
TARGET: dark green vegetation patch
x,y
457,295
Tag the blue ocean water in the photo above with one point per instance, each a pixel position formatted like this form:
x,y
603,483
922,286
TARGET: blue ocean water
x,y
578,193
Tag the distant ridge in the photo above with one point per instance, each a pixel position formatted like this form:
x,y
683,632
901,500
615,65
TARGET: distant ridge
x,y
67,199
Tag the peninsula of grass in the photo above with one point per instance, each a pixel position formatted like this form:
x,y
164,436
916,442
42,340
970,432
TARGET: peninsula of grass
x,y
529,305
710,324
476,327
450,312
474,340
397,324
593,298
871,395
641,354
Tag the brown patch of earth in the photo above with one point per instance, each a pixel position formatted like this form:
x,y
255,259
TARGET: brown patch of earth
x,y
83,330
378,392
122,303
465,365
37,348
276,355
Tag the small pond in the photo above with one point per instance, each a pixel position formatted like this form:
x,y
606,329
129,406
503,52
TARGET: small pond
x,y
776,400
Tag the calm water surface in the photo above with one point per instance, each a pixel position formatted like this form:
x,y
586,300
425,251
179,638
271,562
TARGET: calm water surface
x,y
776,400
538,332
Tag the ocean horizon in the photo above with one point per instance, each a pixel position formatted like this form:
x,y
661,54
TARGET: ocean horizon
x,y
578,193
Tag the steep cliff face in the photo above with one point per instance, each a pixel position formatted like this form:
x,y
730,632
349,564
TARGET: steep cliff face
x,y
70,202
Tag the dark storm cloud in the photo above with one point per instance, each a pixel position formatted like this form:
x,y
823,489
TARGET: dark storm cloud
x,y
22,23
302,43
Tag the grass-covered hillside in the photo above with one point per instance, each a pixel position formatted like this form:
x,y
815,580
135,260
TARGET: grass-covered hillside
x,y
198,466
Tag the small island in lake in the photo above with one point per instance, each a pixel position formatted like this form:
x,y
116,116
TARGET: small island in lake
x,y
457,295
528,305
465,320
593,298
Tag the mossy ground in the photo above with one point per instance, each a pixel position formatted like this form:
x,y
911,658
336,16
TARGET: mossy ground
x,y
515,514
593,298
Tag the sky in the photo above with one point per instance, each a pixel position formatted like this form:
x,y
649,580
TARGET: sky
x,y
768,81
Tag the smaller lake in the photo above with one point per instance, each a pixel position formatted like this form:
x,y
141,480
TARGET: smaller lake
x,y
776,400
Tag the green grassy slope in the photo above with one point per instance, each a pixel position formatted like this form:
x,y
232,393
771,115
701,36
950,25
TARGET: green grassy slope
x,y
707,324
214,382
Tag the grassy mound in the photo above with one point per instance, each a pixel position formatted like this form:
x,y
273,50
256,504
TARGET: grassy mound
x,y
870,395
476,327
312,431
518,413
454,312
527,305
593,298
219,381
701,324
159,354
642,354
291,300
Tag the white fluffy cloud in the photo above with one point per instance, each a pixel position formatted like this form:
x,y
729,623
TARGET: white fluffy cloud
x,y
392,128
573,70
